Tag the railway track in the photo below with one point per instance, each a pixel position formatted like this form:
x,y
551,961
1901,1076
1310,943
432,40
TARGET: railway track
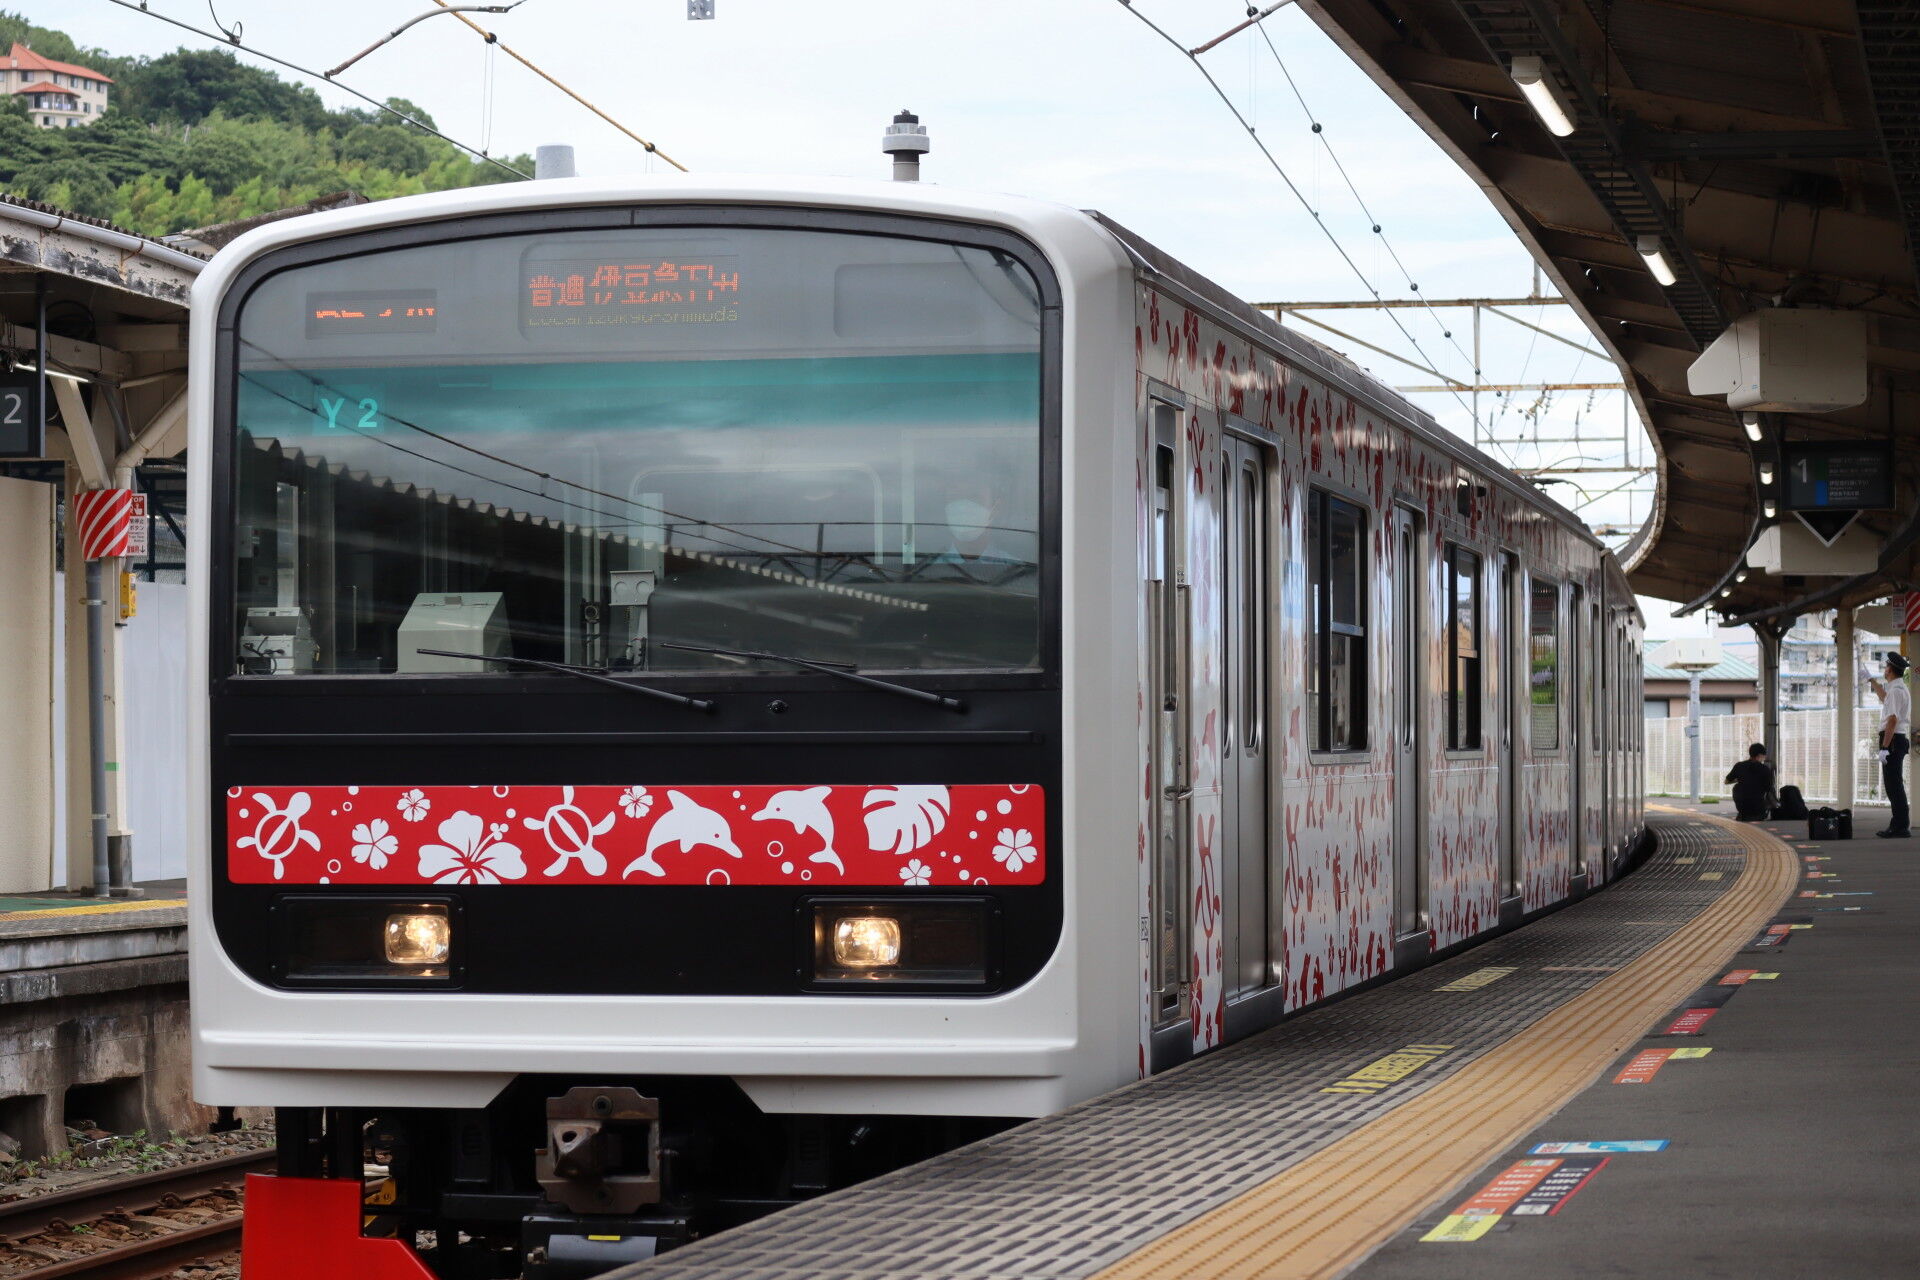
x,y
134,1199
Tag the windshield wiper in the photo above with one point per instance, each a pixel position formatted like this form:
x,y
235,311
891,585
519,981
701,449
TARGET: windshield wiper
x,y
596,674
838,670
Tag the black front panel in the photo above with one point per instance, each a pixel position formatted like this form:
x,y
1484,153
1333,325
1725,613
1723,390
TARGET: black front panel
x,y
632,938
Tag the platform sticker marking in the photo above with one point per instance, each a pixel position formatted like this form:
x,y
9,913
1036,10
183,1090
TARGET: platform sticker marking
x,y
1737,977
1458,1228
1684,862
1711,875
1688,1023
1479,978
1579,968
1558,1187
1392,1069
1615,1147
1699,1051
1478,1215
1645,1065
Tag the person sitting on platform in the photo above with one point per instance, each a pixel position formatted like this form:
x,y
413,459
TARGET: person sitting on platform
x,y
1752,781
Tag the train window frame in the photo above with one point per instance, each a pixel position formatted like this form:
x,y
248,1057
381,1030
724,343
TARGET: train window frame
x,y
1453,657
1320,497
223,640
1536,584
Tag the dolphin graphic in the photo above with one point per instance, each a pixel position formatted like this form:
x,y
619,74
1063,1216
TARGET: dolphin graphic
x,y
687,824
806,810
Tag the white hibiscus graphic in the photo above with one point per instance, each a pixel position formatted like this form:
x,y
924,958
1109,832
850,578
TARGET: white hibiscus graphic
x,y
373,845
1014,848
414,804
636,802
474,853
916,872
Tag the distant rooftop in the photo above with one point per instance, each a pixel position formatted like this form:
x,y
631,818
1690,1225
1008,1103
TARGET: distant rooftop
x,y
1730,668
20,57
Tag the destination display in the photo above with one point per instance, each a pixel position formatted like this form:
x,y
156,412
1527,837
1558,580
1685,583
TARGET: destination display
x,y
373,311
655,290
1829,476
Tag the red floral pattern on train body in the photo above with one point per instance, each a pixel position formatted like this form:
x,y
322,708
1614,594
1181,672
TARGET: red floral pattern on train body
x,y
872,836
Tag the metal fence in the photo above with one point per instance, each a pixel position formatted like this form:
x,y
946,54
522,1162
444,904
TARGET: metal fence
x,y
1806,760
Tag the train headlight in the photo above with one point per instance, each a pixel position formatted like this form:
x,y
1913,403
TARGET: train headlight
x,y
419,938
363,940
906,943
866,942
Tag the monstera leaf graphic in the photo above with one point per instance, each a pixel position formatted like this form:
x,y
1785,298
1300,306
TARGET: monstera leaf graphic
x,y
902,819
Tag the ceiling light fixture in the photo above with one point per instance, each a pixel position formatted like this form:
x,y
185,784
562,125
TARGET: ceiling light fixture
x,y
1769,508
1531,76
1648,247
1766,473
1751,421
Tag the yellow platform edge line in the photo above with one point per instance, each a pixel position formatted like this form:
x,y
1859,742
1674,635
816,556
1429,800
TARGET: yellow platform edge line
x,y
94,908
1327,1213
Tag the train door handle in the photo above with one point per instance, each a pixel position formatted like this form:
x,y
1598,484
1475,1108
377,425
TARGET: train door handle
x,y
1177,793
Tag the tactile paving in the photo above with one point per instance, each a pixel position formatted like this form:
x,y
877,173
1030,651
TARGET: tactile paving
x,y
1069,1194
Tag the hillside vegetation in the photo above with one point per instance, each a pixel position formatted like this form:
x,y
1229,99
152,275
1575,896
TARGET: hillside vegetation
x,y
196,137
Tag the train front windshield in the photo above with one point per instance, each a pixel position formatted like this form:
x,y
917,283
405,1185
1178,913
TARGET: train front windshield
x,y
590,446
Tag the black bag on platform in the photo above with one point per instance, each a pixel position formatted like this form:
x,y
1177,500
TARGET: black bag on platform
x,y
1824,824
1791,807
1843,822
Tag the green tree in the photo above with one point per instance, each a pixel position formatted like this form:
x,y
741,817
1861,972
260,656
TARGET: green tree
x,y
144,205
386,146
408,109
67,184
193,204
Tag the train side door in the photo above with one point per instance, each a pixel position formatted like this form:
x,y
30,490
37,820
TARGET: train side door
x,y
1170,687
1512,674
1410,596
1244,802
1576,696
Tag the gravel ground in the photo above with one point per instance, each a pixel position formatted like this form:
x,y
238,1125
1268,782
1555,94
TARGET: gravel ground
x,y
94,1155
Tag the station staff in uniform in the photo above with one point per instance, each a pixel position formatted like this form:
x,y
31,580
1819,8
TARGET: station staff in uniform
x,y
1896,732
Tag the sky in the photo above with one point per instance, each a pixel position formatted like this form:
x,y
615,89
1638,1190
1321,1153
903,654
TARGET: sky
x,y
1068,100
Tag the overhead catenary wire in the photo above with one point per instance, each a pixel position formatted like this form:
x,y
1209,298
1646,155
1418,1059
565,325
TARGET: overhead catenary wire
x,y
1320,133
1293,187
234,40
526,62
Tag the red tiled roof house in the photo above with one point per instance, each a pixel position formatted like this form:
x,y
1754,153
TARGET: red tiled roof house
x,y
59,95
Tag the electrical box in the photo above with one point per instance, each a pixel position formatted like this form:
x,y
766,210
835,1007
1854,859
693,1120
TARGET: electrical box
x,y
472,622
1786,360
1790,547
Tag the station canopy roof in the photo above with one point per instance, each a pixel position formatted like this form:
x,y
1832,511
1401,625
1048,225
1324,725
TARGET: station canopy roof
x,y
1773,149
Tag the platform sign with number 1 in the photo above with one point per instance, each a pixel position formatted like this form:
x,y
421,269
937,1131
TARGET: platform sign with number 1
x,y
22,434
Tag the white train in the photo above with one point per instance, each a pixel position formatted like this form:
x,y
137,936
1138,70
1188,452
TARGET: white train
x,y
716,688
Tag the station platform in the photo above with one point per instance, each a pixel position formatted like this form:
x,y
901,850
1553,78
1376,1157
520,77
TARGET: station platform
x,y
1707,1069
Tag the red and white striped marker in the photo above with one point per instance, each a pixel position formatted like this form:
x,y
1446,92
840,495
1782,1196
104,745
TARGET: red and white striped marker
x,y
104,518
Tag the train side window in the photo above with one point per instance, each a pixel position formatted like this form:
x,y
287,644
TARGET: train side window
x,y
1463,649
1337,664
1543,674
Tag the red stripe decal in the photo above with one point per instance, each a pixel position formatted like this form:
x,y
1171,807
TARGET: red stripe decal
x,y
878,836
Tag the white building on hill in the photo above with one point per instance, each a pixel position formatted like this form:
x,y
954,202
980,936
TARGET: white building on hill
x,y
59,95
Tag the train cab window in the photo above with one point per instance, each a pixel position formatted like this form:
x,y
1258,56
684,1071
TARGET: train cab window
x,y
1543,667
1463,650
1337,662
586,446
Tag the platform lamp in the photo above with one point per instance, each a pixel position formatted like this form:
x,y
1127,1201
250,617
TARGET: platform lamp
x,y
1695,656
